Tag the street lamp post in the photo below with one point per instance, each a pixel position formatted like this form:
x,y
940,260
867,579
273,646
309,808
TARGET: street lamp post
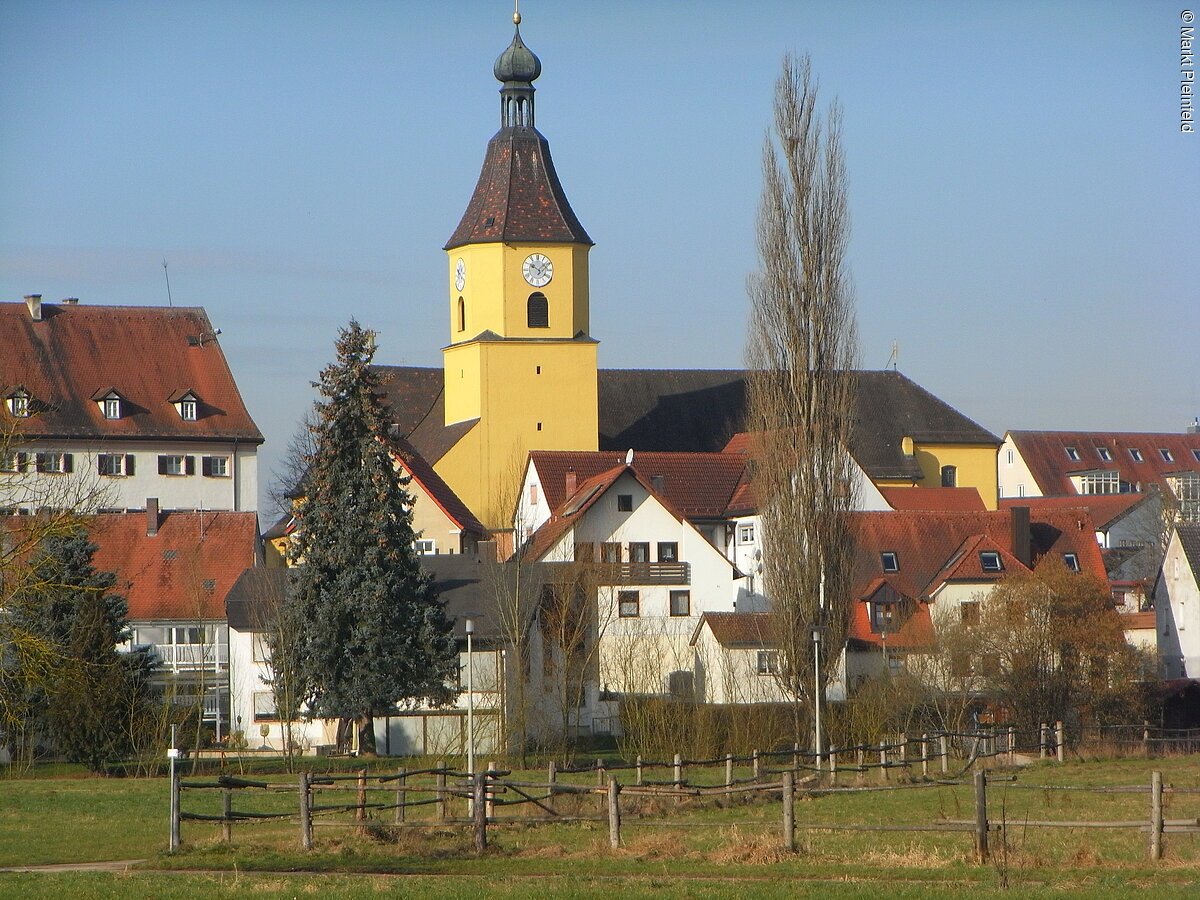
x,y
816,636
470,629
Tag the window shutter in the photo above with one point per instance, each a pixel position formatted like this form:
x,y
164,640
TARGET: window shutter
x,y
68,462
162,465
99,463
40,462
22,461
189,463
128,463
206,466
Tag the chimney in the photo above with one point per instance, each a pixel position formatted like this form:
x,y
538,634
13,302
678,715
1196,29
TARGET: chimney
x,y
572,482
1020,535
151,516
34,302
657,482
1194,428
70,301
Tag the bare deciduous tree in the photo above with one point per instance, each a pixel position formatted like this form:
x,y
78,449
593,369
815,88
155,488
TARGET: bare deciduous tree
x,y
801,350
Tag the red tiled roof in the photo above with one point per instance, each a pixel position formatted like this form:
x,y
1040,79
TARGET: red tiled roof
x,y
915,632
732,629
183,572
440,492
1105,509
698,485
143,352
962,499
588,492
1045,453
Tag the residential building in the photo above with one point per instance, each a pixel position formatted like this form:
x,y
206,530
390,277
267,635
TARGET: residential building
x,y
1177,604
108,405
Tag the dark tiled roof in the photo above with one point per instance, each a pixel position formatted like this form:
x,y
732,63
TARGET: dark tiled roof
x,y
701,410
465,585
960,499
1045,453
518,196
143,352
183,572
1189,537
698,485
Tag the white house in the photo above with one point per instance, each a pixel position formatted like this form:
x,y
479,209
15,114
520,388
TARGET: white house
x,y
1177,604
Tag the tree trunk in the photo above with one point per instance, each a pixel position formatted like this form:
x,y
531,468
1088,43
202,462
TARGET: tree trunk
x,y
366,735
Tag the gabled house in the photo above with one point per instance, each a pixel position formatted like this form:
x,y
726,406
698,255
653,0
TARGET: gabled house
x,y
737,659
176,569
1074,463
108,405
1177,604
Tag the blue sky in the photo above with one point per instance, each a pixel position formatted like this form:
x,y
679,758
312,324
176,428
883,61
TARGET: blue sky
x,y
1024,205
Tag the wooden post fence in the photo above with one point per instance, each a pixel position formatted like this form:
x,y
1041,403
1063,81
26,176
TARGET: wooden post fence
x,y
305,813
614,814
1060,736
789,812
441,789
883,761
600,779
728,770
754,764
944,747
903,755
360,813
677,777
861,775
490,794
833,766
174,839
1156,816
227,815
1043,740
639,769
981,819
924,755
401,794
479,810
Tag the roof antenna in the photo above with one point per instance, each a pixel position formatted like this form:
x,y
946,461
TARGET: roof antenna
x,y
168,277
894,359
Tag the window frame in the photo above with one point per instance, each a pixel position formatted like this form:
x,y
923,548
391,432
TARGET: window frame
x,y
118,458
626,598
610,552
1104,453
624,502
1136,454
985,556
166,464
537,303
686,597
895,560
1166,454
673,555
1071,560
188,409
110,407
1072,453
767,662
643,550
949,476
19,405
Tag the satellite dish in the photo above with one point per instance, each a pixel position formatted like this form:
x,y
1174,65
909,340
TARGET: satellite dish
x,y
629,457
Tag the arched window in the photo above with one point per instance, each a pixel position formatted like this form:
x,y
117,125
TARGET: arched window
x,y
949,476
539,310
462,314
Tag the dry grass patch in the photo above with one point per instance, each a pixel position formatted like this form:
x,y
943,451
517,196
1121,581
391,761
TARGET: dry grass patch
x,y
754,848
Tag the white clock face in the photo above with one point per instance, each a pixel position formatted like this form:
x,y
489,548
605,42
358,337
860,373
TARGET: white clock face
x,y
538,270
460,274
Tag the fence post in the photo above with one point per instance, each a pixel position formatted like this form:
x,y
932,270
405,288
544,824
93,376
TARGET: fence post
x,y
360,813
796,757
1145,737
903,754
227,815
728,770
833,766
1061,737
614,814
1156,816
600,781
401,794
944,747
883,762
479,808
174,839
639,768
305,813
491,796
925,755
1012,745
754,763
1043,739
789,812
861,775
678,776
441,790
981,819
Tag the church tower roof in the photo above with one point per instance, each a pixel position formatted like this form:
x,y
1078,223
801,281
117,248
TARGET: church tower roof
x,y
518,197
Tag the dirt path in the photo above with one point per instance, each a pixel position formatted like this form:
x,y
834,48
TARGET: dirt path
x,y
112,865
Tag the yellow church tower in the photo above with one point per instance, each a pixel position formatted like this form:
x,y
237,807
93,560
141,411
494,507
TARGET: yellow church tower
x,y
520,369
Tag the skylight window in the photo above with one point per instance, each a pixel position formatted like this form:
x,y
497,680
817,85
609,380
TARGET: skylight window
x,y
989,561
1072,454
1072,561
890,561
1104,453
1196,455
1136,454
1166,454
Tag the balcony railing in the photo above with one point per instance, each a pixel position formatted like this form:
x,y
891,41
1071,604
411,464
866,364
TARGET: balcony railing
x,y
644,573
192,657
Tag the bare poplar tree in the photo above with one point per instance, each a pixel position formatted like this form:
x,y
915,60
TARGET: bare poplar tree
x,y
801,352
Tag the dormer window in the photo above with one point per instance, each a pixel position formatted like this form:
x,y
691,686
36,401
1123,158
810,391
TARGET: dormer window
x,y
1136,454
111,407
18,404
1072,454
187,410
890,561
989,561
186,404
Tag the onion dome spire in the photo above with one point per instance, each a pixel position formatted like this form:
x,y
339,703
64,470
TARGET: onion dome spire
x,y
517,68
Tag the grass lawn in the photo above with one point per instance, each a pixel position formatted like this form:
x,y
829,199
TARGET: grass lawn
x,y
691,848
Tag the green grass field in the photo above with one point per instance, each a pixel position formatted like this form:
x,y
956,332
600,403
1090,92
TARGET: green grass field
x,y
692,848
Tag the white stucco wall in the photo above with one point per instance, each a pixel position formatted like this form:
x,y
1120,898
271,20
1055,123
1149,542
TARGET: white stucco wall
x,y
1177,609
1014,478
